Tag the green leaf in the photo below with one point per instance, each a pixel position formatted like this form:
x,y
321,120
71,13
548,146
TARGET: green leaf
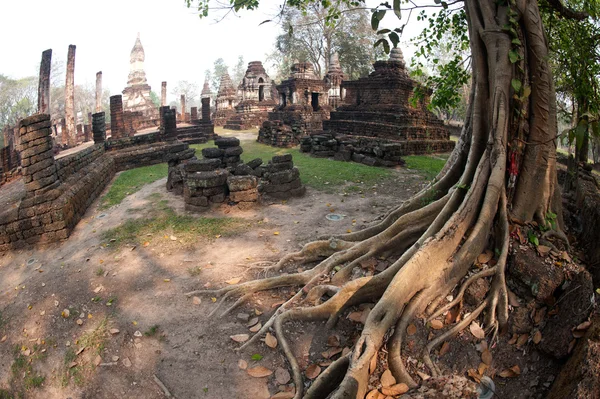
x,y
394,38
516,85
513,56
256,357
397,9
580,132
383,31
374,21
533,238
526,91
516,41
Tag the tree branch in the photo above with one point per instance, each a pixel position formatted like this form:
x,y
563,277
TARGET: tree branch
x,y
567,12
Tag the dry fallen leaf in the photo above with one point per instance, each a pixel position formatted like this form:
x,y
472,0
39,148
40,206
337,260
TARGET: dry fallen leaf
x,y
234,281
66,313
282,376
97,360
584,326
255,328
445,348
331,352
522,340
114,331
474,375
374,394
537,337
270,340
486,357
512,372
259,371
312,371
485,257
196,300
355,316
252,322
240,337
423,376
543,249
411,329
476,330
333,340
126,362
387,379
72,364
242,364
481,368
396,389
3,338
436,324
513,299
513,340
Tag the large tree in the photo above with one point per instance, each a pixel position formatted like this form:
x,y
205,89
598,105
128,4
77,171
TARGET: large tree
x,y
502,170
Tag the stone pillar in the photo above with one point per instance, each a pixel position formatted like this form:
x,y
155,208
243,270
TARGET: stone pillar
x,y
183,108
63,131
128,123
99,127
37,157
86,133
163,94
194,114
206,110
99,91
44,83
117,126
69,136
168,125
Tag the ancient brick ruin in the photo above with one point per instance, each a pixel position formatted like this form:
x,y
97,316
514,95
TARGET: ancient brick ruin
x,y
226,101
136,96
221,176
200,130
256,99
303,106
377,125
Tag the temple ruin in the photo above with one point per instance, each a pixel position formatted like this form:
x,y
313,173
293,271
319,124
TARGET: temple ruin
x,y
303,106
136,96
226,101
377,125
256,99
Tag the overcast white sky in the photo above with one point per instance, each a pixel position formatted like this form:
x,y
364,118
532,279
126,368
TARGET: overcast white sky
x,y
177,43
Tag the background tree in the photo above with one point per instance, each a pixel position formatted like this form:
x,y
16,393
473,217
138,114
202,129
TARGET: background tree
x,y
503,169
307,35
190,90
18,99
238,71
219,69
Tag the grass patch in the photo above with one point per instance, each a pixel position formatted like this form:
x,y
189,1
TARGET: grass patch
x,y
164,221
319,173
151,331
427,165
131,181
23,374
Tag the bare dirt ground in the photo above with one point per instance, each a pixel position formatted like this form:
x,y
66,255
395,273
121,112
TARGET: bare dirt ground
x,y
133,290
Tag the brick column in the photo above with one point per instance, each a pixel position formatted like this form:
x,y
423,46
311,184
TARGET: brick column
x,y
99,127
163,94
79,137
69,136
206,109
168,125
183,108
117,126
44,83
37,158
128,124
194,113
98,91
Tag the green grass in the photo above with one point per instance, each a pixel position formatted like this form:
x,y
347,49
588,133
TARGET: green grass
x,y
164,221
319,173
131,181
427,165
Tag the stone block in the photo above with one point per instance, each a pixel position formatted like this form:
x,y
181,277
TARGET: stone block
x,y
212,191
243,170
241,183
212,152
284,176
244,196
217,199
282,158
233,151
202,165
255,163
278,167
225,142
207,179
